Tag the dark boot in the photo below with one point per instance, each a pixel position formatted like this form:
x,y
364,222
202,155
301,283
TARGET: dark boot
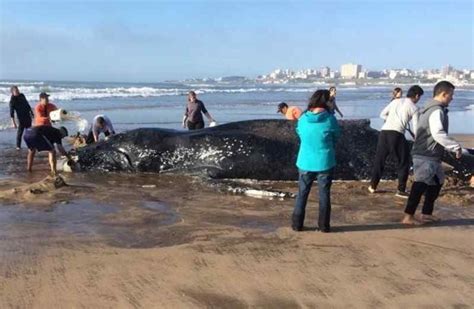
x,y
297,222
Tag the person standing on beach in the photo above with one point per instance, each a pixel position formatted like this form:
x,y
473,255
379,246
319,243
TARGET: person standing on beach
x,y
290,112
43,138
431,141
42,110
193,119
318,131
397,116
20,106
397,93
332,106
100,124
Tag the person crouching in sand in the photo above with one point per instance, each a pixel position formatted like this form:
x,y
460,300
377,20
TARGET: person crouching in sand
x,y
430,142
100,124
318,131
43,138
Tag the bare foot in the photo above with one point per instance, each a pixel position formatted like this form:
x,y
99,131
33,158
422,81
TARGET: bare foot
x,y
429,218
410,220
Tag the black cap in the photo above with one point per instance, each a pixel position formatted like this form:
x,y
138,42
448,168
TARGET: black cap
x,y
64,131
44,95
281,106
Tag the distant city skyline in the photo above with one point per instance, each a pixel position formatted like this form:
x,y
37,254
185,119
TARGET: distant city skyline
x,y
150,42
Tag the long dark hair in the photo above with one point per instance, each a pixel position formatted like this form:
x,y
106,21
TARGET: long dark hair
x,y
319,99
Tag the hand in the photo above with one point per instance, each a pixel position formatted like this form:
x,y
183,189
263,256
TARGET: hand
x,y
342,116
459,153
14,125
184,125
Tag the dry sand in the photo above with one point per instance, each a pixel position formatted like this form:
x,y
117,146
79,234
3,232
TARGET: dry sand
x,y
105,241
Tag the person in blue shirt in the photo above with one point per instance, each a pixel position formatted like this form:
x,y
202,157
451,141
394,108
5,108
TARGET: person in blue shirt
x,y
318,131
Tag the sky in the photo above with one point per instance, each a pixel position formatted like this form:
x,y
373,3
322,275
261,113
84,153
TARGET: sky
x,y
151,41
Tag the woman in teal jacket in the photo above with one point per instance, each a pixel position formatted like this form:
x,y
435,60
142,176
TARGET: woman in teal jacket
x,y
318,131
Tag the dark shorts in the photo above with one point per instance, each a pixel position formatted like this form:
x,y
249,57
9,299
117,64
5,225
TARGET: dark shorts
x,y
36,141
195,125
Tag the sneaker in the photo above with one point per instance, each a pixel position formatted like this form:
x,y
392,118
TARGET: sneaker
x,y
402,194
371,190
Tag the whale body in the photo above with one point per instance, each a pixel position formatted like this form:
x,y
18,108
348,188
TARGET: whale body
x,y
254,149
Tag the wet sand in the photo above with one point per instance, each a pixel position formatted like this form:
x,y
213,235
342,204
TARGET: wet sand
x,y
169,241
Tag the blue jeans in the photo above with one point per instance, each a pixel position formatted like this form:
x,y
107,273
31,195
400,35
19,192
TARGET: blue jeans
x,y
305,183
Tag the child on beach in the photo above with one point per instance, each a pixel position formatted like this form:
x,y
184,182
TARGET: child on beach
x,y
430,142
318,131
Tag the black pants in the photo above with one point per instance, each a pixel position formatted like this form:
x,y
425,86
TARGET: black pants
x,y
90,137
391,142
19,133
195,125
431,194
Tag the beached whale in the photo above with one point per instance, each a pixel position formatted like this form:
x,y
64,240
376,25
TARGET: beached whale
x,y
255,149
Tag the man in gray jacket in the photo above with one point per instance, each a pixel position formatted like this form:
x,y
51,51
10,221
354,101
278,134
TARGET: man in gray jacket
x,y
430,142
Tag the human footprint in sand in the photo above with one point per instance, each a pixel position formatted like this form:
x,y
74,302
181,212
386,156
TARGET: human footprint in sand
x,y
43,138
430,142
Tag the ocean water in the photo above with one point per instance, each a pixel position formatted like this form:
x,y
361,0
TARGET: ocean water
x,y
133,105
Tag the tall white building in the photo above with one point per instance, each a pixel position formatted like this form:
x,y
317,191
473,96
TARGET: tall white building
x,y
350,70
325,71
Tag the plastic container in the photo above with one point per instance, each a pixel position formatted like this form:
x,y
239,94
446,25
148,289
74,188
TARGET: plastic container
x,y
58,115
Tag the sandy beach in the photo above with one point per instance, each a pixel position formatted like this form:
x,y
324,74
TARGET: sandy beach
x,y
130,241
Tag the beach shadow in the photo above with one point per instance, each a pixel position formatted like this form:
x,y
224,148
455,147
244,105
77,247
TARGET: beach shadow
x,y
399,226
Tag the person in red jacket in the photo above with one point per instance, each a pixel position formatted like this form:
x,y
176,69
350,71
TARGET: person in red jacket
x,y
42,110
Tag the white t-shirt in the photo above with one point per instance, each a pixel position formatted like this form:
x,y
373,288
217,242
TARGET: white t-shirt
x,y
398,114
107,126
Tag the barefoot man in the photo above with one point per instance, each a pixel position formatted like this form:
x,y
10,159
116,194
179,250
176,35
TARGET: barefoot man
x,y
43,138
430,142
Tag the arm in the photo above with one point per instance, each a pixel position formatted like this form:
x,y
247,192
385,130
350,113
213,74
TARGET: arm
x,y
206,113
209,117
185,117
110,125
385,111
12,113
337,109
95,134
29,106
63,152
414,123
440,135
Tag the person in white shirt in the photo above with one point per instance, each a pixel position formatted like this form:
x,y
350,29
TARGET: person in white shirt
x,y
397,115
100,124
431,141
